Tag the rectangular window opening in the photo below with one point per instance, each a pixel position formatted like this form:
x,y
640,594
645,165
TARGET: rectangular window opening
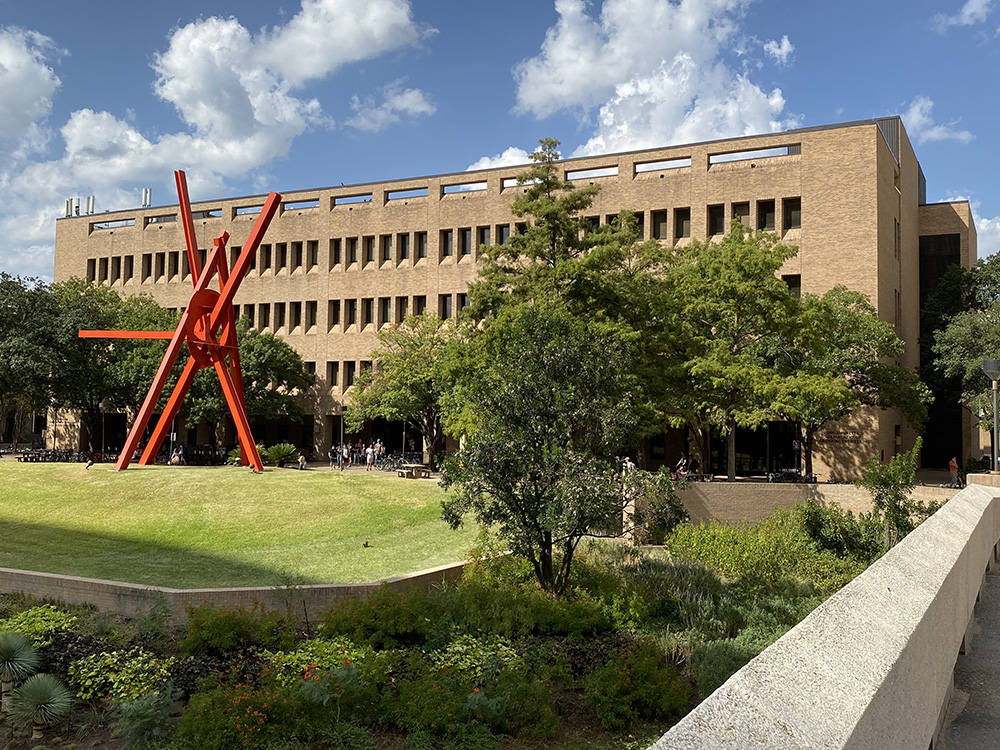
x,y
765,215
791,211
682,223
716,220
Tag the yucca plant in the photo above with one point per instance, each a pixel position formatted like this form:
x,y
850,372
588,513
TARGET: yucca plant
x,y
18,659
41,700
280,453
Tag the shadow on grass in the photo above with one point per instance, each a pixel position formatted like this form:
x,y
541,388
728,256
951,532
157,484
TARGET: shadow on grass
x,y
50,549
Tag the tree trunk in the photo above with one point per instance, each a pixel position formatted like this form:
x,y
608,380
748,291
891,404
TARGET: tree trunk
x,y
731,451
545,562
807,450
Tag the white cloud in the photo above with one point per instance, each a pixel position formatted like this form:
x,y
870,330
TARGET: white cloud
x,y
27,83
921,126
234,91
655,72
584,59
971,13
780,51
510,157
396,102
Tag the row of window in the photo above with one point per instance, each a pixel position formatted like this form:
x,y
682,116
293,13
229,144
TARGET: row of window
x,y
341,375
405,247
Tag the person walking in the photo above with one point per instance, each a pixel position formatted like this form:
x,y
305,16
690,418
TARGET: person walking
x,y
334,454
953,468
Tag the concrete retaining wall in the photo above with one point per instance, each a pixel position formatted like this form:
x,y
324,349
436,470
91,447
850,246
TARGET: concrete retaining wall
x,y
872,666
752,501
134,600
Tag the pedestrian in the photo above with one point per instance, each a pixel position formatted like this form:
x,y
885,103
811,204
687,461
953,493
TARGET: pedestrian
x,y
681,468
369,457
345,456
333,453
302,460
953,468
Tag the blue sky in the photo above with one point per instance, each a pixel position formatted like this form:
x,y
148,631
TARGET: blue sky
x,y
108,97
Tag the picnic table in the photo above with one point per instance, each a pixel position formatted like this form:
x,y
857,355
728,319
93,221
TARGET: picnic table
x,y
414,471
31,457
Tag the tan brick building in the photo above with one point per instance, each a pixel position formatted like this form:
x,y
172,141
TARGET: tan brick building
x,y
338,263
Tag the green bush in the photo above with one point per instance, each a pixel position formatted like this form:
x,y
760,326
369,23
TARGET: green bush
x,y
477,659
38,624
341,736
841,532
281,453
243,716
119,676
220,632
465,737
636,684
385,619
322,655
145,722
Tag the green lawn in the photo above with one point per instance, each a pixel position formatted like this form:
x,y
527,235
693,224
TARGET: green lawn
x,y
196,527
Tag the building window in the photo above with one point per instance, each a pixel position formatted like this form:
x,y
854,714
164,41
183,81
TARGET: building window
x,y
116,269
333,314
503,233
174,264
402,306
367,311
403,246
447,242
640,224
420,238
147,267
897,240
741,213
234,254
311,368
716,220
350,368
765,215
161,265
279,315
369,249
332,374
92,270
264,316
295,313
129,267
444,306
521,227
296,255
311,313
794,284
384,310
335,256
248,313
463,301
265,258
280,256
682,223
484,236
465,241
791,212
419,304
312,254
386,241
102,270
899,312
352,250
660,231
352,312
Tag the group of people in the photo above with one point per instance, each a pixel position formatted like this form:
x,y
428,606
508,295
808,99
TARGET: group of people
x,y
347,455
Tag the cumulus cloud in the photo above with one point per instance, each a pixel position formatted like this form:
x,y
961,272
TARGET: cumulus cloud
x,y
971,13
654,70
922,128
780,51
511,157
236,93
373,116
27,82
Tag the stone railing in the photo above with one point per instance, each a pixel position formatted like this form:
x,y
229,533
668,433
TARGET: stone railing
x,y
872,667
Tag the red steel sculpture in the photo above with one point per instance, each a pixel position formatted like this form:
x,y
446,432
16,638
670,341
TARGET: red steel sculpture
x,y
208,326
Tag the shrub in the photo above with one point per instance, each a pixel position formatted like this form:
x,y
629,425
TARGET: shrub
x,y
280,453
219,632
39,623
714,662
238,716
119,676
322,655
385,619
145,722
342,736
477,659
636,684
41,700
465,737
840,532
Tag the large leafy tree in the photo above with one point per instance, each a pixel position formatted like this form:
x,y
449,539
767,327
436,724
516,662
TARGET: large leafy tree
x,y
273,372
553,397
412,373
842,359
733,325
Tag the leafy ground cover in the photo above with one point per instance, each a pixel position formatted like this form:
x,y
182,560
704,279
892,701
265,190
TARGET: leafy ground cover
x,y
492,662
193,527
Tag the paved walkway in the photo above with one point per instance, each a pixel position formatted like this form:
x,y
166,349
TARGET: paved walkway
x,y
974,710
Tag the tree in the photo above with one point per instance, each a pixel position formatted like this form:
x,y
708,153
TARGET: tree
x,y
890,486
552,398
733,321
841,360
272,372
411,374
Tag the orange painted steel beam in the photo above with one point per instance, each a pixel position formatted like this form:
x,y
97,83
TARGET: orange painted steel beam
x,y
208,327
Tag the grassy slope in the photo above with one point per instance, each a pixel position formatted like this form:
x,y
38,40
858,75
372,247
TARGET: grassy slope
x,y
193,527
